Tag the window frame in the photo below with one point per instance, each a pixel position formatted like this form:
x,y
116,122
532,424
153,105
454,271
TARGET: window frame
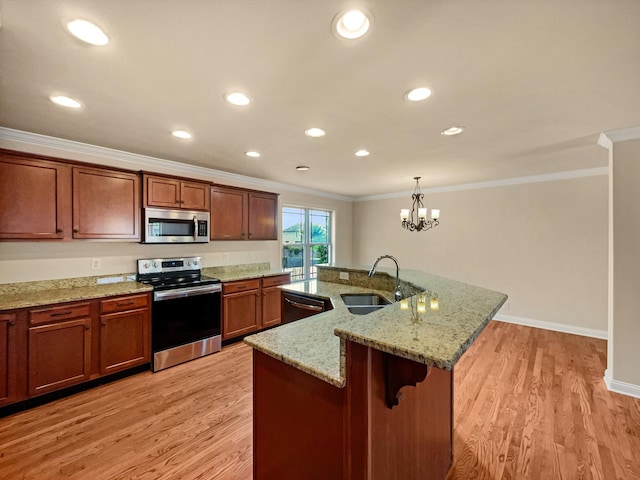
x,y
309,272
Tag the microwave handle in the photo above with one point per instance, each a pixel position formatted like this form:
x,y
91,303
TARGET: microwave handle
x,y
195,228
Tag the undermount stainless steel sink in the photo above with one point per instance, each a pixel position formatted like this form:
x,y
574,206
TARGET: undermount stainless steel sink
x,y
364,303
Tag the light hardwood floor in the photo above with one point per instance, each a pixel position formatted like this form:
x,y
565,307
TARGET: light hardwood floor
x,y
529,404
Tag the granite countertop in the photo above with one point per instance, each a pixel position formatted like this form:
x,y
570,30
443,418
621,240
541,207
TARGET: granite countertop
x,y
242,272
47,292
24,298
437,337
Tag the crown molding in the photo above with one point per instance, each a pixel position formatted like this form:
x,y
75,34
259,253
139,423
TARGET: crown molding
x,y
186,169
587,172
147,162
608,138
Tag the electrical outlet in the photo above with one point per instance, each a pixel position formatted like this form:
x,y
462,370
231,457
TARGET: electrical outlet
x,y
225,256
96,263
252,255
344,275
506,306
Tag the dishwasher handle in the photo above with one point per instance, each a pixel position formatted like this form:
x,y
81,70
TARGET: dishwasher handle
x,y
304,306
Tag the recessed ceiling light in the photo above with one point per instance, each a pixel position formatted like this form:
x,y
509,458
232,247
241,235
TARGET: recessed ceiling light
x,y
418,94
315,132
87,32
252,154
452,131
362,153
302,168
65,101
181,134
237,98
352,24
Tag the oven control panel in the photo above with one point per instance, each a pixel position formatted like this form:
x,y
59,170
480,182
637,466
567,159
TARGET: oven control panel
x,y
164,265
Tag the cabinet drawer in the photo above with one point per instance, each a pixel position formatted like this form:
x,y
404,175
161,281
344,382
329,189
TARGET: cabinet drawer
x,y
122,304
241,286
7,317
276,280
55,314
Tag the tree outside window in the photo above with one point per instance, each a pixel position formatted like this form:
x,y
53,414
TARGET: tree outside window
x,y
306,241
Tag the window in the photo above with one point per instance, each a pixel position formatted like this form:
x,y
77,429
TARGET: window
x,y
306,241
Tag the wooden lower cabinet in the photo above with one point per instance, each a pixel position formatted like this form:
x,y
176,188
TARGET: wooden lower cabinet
x,y
241,307
59,355
125,340
271,299
251,305
56,346
8,358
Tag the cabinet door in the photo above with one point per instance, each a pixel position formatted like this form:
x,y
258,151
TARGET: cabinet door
x,y
271,299
59,355
8,358
271,307
35,198
124,340
241,314
229,210
106,204
194,196
162,192
263,216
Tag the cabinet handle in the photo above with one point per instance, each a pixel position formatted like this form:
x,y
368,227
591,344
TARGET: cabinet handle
x,y
124,304
241,287
103,323
12,323
61,314
87,327
250,234
59,230
76,230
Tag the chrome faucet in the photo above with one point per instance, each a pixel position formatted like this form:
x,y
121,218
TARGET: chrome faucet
x,y
372,272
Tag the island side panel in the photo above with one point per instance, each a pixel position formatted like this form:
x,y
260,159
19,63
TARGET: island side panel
x,y
413,440
298,428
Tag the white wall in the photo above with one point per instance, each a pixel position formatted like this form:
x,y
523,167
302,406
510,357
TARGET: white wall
x,y
543,244
30,261
623,373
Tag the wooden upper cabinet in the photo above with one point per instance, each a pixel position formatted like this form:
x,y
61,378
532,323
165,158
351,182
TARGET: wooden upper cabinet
x,y
229,213
238,214
106,204
35,198
166,192
263,216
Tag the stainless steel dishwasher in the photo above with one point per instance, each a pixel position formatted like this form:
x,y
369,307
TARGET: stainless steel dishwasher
x,y
296,306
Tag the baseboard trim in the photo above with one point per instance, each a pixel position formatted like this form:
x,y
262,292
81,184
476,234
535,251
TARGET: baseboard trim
x,y
623,388
558,327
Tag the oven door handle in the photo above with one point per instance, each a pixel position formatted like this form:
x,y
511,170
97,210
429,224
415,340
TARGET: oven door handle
x,y
185,292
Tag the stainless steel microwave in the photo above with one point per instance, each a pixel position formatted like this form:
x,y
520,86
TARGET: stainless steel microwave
x,y
175,226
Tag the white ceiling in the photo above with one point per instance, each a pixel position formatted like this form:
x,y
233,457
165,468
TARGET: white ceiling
x,y
533,82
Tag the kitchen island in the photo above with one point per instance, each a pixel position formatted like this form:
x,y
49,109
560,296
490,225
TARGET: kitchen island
x,y
346,396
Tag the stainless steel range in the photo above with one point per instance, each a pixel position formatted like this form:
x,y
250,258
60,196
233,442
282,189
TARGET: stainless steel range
x,y
186,310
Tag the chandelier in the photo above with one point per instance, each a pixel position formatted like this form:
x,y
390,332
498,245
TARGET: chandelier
x,y
416,218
